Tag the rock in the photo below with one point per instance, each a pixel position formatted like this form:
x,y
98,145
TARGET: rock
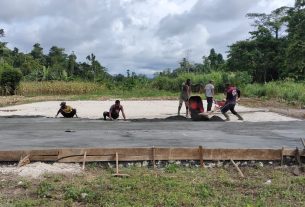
x,y
260,164
20,183
130,164
138,164
144,164
219,164
243,164
83,195
110,165
178,163
296,171
186,164
270,163
268,182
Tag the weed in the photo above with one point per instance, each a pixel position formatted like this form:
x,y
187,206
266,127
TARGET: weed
x,y
44,189
171,168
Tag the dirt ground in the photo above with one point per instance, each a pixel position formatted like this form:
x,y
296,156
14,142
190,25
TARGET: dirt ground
x,y
134,109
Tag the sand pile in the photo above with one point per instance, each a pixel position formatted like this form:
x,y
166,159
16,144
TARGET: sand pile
x,y
37,169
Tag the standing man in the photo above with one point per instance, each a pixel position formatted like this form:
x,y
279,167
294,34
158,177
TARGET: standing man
x,y
209,94
232,95
184,96
114,111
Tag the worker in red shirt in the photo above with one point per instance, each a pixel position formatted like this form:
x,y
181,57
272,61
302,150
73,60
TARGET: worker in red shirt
x,y
232,96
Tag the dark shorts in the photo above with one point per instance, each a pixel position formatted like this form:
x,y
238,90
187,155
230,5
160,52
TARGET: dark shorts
x,y
113,115
69,115
227,107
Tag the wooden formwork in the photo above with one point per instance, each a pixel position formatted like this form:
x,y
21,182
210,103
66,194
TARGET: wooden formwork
x,y
148,153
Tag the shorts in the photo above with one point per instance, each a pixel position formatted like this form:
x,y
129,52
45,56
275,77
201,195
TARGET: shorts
x,y
183,98
69,115
227,107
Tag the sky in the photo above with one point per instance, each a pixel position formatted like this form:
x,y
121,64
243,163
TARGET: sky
x,y
144,36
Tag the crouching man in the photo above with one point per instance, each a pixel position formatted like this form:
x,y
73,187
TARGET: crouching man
x,y
66,111
114,111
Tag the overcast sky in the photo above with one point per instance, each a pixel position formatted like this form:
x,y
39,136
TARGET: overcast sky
x,y
144,36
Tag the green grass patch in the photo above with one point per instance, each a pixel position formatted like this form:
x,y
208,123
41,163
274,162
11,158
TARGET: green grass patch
x,y
172,186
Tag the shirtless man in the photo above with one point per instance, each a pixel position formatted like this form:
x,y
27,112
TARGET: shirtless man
x,y
114,111
184,96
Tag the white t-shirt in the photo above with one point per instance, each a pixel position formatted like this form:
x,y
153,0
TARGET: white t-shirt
x,y
209,90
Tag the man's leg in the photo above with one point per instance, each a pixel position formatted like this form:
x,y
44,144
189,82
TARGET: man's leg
x,y
74,113
106,114
232,109
180,105
224,110
187,107
210,102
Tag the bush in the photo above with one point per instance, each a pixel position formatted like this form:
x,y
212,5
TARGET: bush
x,y
9,79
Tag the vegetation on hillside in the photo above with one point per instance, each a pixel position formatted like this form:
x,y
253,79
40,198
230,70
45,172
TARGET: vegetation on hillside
x,y
273,54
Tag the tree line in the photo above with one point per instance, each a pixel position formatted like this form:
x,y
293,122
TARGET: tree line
x,y
274,51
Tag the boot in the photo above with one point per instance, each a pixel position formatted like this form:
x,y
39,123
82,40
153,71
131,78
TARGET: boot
x,y
239,117
227,116
179,108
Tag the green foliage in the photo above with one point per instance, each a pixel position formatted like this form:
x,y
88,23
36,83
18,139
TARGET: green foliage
x,y
45,189
171,168
9,79
281,90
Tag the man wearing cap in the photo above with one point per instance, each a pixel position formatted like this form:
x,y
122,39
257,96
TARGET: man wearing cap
x,y
66,111
114,111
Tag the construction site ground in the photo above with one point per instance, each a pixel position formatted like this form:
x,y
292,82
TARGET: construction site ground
x,y
150,123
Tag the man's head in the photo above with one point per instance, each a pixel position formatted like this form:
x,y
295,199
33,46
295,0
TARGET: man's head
x,y
117,102
63,104
211,81
188,82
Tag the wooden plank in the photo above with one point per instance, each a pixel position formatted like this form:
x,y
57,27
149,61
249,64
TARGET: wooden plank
x,y
136,154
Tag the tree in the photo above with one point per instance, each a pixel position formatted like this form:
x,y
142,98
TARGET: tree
x,y
71,64
273,21
1,32
9,79
295,51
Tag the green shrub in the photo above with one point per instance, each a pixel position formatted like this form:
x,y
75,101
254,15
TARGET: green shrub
x,y
9,79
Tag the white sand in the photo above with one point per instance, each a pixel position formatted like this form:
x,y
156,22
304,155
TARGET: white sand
x,y
133,110
37,169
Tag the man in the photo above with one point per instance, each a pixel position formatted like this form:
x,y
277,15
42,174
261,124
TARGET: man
x,y
114,111
66,111
209,94
232,94
184,96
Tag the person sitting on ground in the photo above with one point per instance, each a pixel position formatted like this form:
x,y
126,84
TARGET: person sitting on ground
x,y
114,111
66,111
232,96
184,96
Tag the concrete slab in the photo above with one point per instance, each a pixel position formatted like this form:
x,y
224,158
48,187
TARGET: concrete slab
x,y
34,133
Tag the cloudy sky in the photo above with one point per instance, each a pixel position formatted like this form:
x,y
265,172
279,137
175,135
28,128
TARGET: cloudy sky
x,y
144,36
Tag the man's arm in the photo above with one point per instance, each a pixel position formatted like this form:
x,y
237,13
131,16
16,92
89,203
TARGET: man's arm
x,y
122,109
57,113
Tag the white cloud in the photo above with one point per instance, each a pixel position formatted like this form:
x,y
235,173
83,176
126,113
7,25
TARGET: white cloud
x,y
141,35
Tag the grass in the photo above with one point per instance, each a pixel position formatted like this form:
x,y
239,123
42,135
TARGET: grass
x,y
172,186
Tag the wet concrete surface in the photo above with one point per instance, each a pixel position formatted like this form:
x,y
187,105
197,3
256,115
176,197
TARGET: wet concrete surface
x,y
39,132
